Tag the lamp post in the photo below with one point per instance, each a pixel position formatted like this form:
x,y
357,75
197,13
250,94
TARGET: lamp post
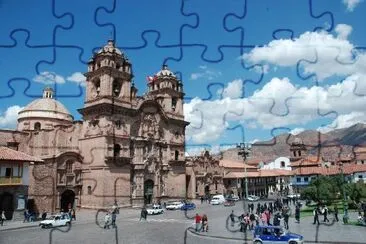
x,y
345,207
243,151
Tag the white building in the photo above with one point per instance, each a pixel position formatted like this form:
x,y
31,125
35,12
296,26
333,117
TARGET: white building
x,y
279,163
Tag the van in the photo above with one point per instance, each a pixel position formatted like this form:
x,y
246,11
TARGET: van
x,y
217,199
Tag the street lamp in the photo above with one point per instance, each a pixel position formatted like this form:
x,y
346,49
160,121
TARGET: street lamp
x,y
243,151
345,207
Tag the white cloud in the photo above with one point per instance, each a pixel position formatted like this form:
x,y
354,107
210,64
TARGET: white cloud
x,y
297,131
334,55
351,4
266,107
49,78
78,78
205,73
345,121
233,90
8,120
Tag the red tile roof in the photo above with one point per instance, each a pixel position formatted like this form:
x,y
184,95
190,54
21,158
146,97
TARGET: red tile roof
x,y
259,173
333,170
7,154
235,164
308,161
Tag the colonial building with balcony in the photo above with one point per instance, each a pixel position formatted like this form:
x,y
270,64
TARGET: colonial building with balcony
x,y
14,181
204,176
127,149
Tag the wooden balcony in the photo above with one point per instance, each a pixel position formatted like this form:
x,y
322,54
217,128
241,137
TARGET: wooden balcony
x,y
10,181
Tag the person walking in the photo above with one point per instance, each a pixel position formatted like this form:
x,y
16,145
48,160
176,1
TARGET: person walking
x,y
143,214
204,223
286,216
336,213
107,220
197,221
277,219
325,209
232,218
2,218
297,213
114,216
316,215
73,214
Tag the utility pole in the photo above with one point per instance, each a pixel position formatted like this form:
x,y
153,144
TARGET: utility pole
x,y
243,151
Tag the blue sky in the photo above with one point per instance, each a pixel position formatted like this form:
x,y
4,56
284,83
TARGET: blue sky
x,y
250,69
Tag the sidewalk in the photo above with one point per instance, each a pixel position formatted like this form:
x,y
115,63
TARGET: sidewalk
x,y
83,216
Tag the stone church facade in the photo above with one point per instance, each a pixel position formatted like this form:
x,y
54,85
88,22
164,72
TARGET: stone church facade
x,y
127,148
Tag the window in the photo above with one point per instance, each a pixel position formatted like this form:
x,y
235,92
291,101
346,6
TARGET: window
x,y
360,176
282,164
118,124
216,186
89,190
362,162
8,172
306,179
174,103
69,166
97,86
294,153
196,187
116,88
299,153
116,150
229,182
37,126
176,155
298,179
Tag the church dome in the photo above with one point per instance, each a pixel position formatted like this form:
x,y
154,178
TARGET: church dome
x,y
165,72
46,107
110,48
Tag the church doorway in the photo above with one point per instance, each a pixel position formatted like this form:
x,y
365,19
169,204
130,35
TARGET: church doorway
x,y
6,205
67,200
148,191
207,190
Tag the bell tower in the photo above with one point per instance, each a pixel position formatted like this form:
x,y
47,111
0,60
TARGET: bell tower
x,y
109,76
167,89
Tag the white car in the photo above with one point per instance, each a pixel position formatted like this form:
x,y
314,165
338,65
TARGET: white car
x,y
174,205
217,200
56,220
253,198
155,209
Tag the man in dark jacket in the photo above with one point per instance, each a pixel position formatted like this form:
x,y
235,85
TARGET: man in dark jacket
x,y
316,215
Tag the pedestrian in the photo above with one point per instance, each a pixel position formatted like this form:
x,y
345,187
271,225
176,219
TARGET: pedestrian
x,y
115,207
2,218
252,220
201,199
316,215
336,213
143,213
204,223
286,216
107,220
325,209
73,214
114,216
25,216
197,221
297,213
232,217
277,219
264,218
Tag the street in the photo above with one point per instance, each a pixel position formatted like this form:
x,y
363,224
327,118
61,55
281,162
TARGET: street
x,y
170,227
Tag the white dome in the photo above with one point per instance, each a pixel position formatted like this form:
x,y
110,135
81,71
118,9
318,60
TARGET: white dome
x,y
46,107
111,48
165,72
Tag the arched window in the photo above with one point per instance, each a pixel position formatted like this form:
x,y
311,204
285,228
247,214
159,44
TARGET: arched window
x,y
294,153
37,126
69,166
97,86
116,150
116,88
299,153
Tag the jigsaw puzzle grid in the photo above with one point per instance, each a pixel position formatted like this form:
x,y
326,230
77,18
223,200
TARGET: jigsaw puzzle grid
x,y
178,42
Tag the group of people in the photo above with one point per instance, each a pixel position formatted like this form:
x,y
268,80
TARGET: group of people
x,y
263,213
201,222
111,216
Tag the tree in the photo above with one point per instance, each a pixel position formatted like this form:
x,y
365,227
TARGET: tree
x,y
322,190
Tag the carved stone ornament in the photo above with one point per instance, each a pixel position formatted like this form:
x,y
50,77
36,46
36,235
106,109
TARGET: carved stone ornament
x,y
150,127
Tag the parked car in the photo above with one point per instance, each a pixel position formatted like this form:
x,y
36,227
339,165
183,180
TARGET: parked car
x,y
188,206
154,209
253,198
55,221
174,205
275,234
232,198
229,203
218,199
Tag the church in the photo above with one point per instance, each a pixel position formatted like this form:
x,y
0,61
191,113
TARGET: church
x,y
127,149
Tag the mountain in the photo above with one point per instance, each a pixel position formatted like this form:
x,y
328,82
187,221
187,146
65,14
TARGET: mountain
x,y
330,145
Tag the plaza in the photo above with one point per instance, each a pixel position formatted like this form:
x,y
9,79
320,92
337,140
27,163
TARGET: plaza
x,y
170,227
